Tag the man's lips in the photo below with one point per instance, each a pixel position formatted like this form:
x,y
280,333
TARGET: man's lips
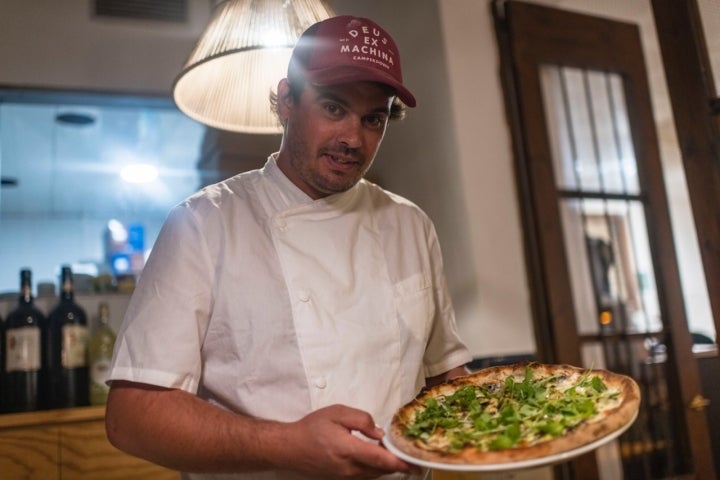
x,y
342,161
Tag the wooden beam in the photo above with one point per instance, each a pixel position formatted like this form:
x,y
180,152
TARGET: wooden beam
x,y
694,104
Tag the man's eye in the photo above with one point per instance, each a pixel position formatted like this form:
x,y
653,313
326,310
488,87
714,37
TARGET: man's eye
x,y
375,121
333,108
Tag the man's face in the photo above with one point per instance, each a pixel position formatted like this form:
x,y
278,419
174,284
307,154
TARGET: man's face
x,y
332,135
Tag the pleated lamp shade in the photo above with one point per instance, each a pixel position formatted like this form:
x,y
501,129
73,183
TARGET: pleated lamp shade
x,y
239,59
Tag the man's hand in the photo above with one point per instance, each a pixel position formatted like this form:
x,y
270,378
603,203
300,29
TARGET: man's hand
x,y
323,444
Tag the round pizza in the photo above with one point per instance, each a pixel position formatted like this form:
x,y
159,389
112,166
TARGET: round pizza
x,y
514,413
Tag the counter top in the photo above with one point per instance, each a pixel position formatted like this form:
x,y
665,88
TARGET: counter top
x,y
51,417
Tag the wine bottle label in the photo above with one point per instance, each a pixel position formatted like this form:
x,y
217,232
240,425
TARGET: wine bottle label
x,y
99,371
23,349
74,346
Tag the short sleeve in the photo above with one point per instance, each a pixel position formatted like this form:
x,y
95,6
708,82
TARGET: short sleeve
x,y
159,342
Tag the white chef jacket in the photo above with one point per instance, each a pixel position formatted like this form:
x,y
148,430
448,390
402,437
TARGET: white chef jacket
x,y
268,303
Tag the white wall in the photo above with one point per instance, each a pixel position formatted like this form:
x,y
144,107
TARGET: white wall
x,y
485,159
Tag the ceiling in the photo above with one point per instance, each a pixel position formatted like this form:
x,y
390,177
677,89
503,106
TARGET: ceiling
x,y
61,155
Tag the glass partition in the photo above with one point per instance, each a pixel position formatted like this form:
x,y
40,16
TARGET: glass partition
x,y
88,181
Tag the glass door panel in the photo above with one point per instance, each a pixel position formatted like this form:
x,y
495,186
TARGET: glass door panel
x,y
610,266
588,120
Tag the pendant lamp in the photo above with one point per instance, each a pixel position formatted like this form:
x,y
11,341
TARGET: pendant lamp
x,y
239,59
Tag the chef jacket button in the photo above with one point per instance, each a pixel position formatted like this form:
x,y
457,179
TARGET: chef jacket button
x,y
280,222
320,382
304,295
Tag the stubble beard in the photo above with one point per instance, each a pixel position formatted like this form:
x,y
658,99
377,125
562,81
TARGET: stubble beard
x,y
302,161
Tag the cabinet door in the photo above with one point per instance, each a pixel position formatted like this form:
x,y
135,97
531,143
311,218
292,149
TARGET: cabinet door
x,y
29,453
86,454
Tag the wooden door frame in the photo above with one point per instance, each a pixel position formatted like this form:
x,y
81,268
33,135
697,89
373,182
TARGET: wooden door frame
x,y
553,308
696,112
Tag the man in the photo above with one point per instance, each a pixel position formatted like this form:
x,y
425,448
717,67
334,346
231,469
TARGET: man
x,y
287,312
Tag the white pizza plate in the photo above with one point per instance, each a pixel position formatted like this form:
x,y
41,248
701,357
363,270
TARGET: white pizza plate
x,y
506,466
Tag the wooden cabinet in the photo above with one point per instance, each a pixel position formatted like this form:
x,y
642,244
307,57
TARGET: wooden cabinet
x,y
67,444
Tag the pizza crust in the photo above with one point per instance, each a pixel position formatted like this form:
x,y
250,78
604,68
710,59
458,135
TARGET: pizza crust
x,y
607,422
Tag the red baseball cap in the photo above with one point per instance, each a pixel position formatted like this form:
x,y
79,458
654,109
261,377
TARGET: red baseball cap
x,y
346,49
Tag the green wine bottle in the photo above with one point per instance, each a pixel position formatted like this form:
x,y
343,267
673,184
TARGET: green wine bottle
x,y
100,351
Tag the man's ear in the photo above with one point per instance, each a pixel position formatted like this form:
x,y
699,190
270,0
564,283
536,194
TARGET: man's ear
x,y
284,99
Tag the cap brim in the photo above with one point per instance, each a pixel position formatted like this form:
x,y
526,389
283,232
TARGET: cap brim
x,y
341,75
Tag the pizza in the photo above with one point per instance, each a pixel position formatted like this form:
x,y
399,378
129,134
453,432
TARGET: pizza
x,y
514,413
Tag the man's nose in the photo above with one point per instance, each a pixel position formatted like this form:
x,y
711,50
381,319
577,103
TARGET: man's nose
x,y
350,133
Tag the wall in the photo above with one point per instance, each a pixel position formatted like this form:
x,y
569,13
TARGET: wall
x,y
487,177
46,43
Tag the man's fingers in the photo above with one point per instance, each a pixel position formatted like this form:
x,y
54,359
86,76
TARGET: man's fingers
x,y
377,457
357,420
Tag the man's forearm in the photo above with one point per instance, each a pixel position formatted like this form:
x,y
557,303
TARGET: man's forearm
x,y
183,432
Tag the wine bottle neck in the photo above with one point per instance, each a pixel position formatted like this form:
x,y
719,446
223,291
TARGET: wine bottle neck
x,y
26,297
25,287
104,315
66,284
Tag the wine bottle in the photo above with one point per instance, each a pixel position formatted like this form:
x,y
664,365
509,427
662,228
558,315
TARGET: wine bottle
x,y
100,351
24,362
66,345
